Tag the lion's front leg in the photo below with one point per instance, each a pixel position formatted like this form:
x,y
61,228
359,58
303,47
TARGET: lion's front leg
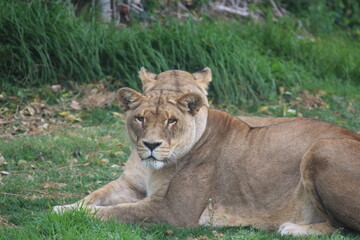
x,y
143,211
129,187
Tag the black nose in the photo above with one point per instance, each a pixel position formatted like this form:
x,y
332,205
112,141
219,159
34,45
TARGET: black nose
x,y
152,145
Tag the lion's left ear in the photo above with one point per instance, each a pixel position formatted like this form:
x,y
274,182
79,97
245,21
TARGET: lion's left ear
x,y
128,98
203,78
191,102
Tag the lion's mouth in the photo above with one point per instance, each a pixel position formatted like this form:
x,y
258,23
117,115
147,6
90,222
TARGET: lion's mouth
x,y
153,162
150,158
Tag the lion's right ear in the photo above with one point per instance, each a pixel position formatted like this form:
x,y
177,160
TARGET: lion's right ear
x,y
128,98
147,79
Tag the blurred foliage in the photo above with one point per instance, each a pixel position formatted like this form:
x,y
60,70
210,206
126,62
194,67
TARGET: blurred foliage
x,y
325,16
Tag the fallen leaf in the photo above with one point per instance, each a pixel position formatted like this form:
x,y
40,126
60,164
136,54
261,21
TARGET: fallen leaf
x,y
263,108
169,232
217,234
45,126
341,122
350,108
54,185
73,118
21,162
75,105
38,106
282,90
202,237
290,112
119,153
30,178
120,145
2,160
97,98
31,110
56,87
72,160
63,113
106,137
104,161
320,93
115,166
309,101
120,115
34,197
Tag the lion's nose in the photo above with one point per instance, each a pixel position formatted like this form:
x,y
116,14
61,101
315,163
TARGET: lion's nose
x,y
152,145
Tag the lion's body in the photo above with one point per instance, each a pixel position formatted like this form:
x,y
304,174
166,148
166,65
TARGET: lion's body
x,y
256,176
208,167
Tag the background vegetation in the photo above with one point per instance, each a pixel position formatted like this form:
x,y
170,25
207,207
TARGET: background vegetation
x,y
249,60
62,136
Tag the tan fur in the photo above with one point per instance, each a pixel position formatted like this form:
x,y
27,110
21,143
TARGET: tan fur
x,y
233,174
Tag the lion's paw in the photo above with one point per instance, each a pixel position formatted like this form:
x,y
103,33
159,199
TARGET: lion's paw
x,y
293,229
97,211
64,208
69,207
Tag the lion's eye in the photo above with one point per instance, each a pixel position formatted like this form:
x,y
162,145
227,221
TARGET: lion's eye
x,y
171,120
139,119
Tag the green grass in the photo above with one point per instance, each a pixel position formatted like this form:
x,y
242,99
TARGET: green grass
x,y
43,165
79,225
249,61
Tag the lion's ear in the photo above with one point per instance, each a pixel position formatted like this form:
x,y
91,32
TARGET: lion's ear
x,y
190,102
147,79
128,98
203,78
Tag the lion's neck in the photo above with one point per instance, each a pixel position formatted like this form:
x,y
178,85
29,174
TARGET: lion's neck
x,y
219,126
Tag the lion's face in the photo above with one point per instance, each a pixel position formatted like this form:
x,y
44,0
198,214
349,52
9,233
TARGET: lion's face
x,y
161,124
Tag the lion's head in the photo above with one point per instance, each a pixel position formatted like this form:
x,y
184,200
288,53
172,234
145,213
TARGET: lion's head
x,y
177,81
163,124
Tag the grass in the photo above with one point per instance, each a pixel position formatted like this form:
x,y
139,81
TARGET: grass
x,y
65,165
79,225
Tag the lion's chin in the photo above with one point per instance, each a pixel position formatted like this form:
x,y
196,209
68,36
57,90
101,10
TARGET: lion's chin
x,y
153,163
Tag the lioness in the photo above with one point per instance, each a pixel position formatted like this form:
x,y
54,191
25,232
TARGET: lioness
x,y
205,166
131,185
